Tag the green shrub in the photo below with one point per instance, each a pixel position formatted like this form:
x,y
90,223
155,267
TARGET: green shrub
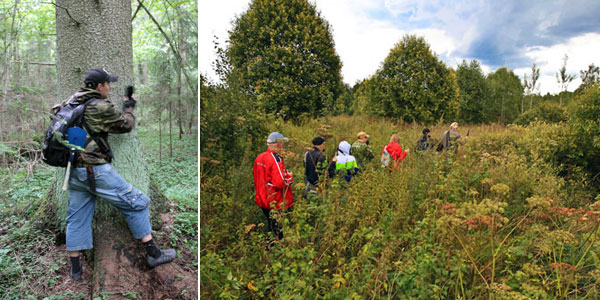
x,y
546,112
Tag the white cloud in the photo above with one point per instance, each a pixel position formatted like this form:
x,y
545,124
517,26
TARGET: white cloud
x,y
364,31
215,19
581,50
361,42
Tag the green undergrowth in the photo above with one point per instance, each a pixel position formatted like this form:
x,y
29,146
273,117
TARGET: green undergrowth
x,y
31,267
497,220
177,178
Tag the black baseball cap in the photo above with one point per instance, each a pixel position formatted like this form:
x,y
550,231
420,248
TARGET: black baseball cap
x,y
426,130
98,75
318,141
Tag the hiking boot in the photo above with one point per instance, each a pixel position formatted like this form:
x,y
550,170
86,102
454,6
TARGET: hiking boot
x,y
165,256
276,227
76,276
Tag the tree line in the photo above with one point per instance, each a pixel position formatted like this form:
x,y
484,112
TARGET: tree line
x,y
280,63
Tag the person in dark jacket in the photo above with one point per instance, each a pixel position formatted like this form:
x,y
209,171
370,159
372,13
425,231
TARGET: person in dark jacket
x,y
315,164
424,143
93,175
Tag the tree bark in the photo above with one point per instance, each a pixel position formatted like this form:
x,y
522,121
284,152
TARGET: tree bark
x,y
97,33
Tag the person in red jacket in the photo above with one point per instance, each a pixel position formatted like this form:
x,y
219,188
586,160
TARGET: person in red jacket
x,y
273,182
392,152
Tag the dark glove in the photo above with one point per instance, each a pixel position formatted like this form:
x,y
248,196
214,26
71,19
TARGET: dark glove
x,y
129,103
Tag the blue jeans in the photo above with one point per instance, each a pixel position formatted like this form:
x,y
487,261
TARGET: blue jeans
x,y
110,186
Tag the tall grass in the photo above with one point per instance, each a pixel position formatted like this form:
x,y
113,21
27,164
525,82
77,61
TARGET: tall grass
x,y
492,221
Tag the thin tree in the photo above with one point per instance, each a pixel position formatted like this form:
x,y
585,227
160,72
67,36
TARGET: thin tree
x,y
533,86
527,88
563,78
589,77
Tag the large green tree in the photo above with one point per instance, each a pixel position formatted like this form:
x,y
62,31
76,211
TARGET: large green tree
x,y
473,91
412,84
506,93
284,52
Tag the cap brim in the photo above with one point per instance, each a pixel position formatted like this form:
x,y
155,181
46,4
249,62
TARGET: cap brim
x,y
278,140
113,78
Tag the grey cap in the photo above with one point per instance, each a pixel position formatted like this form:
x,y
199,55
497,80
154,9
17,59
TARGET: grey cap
x,y
276,137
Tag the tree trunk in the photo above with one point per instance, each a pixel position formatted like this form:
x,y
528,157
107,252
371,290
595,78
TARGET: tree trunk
x,y
170,109
97,33
183,54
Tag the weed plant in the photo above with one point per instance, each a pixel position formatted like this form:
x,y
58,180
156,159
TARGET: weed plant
x,y
498,219
32,267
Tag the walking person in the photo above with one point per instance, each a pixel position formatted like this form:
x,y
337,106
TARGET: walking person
x,y
361,150
315,164
272,182
449,139
392,153
93,175
344,164
424,143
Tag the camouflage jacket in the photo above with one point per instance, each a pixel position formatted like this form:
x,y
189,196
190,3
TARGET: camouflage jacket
x,y
362,152
101,118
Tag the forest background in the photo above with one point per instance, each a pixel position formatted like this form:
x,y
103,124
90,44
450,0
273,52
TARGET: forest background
x,y
33,264
513,214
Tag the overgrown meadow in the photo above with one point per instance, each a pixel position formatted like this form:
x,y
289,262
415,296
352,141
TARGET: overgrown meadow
x,y
500,219
33,263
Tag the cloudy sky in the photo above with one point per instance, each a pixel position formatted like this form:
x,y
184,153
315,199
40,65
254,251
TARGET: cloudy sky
x,y
511,33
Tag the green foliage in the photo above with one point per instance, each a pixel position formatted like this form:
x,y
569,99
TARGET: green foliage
x,y
585,126
230,122
506,95
284,53
474,92
545,112
493,221
412,84
177,179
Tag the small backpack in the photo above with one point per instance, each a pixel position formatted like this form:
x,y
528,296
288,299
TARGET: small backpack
x,y
66,115
422,144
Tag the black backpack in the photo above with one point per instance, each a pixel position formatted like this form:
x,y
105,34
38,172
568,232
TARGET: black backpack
x,y
54,151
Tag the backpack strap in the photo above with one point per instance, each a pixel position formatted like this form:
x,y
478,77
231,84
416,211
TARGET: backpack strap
x,y
101,139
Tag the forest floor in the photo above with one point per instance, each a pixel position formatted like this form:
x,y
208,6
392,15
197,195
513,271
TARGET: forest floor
x,y
33,263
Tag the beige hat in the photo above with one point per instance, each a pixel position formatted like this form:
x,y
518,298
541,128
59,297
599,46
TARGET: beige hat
x,y
362,134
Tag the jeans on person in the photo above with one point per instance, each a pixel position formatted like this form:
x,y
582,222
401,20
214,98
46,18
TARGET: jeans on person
x,y
110,186
309,188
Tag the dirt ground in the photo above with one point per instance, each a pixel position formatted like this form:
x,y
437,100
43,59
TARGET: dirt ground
x,y
119,270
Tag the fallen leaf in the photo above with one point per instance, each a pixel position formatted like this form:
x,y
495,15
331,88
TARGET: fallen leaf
x,y
250,227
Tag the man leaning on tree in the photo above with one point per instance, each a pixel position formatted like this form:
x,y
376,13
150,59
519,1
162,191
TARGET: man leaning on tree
x,y
93,175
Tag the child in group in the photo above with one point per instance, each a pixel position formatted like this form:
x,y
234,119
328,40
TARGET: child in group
x,y
392,152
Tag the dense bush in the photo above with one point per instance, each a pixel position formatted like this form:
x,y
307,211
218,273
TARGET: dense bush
x,y
494,220
584,128
545,112
473,92
229,123
412,84
292,68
